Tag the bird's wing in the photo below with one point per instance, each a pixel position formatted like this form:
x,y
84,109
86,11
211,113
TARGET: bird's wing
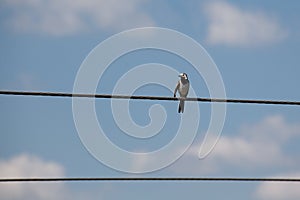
x,y
177,87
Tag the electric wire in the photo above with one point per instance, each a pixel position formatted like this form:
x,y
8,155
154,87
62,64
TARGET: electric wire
x,y
156,179
161,98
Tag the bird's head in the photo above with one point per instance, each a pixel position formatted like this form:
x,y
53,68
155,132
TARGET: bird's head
x,y
183,75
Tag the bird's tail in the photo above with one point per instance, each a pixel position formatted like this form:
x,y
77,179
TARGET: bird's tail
x,y
181,106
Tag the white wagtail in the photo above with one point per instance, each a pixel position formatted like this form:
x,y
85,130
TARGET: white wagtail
x,y
182,86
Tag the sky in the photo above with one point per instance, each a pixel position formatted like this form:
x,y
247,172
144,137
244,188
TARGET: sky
x,y
254,45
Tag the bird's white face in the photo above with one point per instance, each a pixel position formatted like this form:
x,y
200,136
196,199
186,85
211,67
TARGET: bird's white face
x,y
183,75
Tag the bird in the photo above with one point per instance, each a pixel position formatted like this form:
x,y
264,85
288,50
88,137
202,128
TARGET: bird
x,y
182,87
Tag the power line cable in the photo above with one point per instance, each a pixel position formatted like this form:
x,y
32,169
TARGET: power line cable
x,y
109,96
161,98
124,179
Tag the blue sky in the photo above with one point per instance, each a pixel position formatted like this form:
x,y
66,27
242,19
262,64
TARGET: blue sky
x,y
254,44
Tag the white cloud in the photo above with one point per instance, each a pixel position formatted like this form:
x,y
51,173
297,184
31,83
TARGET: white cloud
x,y
30,166
256,147
65,17
279,191
230,25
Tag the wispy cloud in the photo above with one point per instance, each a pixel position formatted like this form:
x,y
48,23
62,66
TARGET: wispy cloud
x,y
255,147
65,17
31,166
26,165
22,81
279,191
233,26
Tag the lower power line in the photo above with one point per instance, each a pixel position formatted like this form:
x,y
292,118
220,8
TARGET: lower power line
x,y
124,179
